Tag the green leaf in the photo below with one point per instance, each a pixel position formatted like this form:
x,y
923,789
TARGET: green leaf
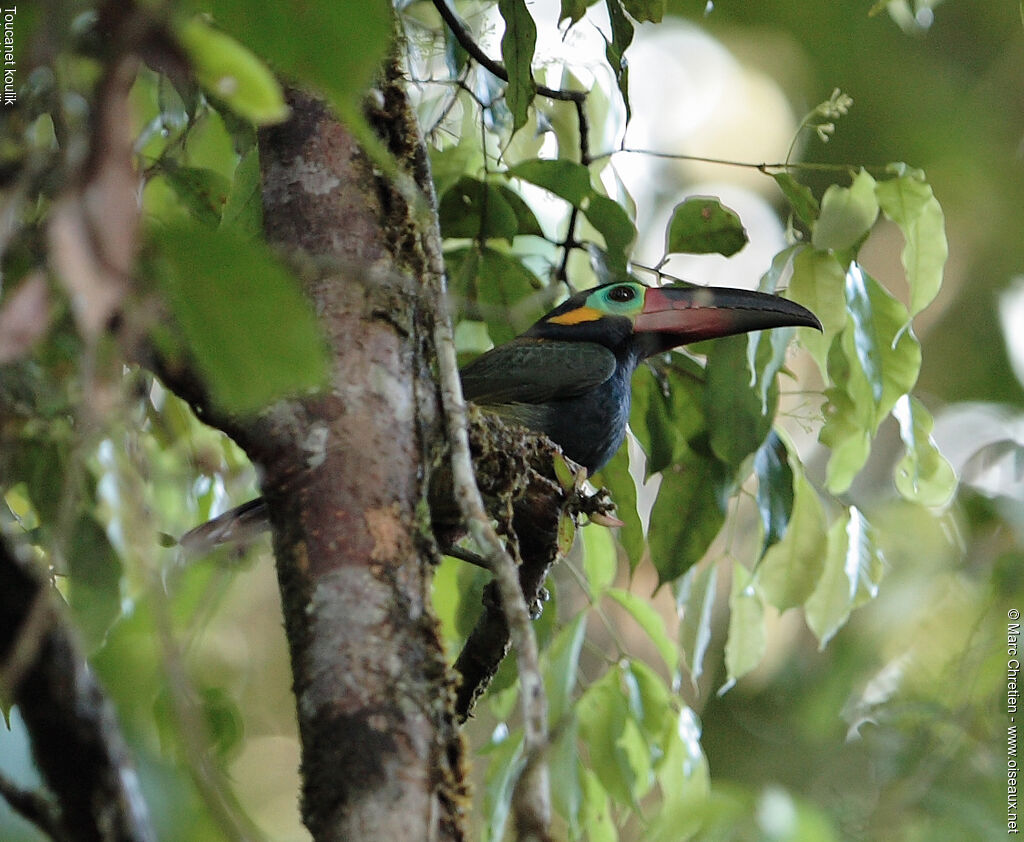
x,y
650,701
600,560
909,202
613,223
667,410
847,214
800,198
517,46
790,569
604,719
774,488
645,10
562,660
477,210
203,192
566,179
848,437
504,286
243,209
566,784
687,514
736,420
618,480
703,225
94,581
684,782
574,10
251,331
695,601
818,282
504,765
595,813
885,346
526,220
615,50
232,74
745,645
852,571
322,44
652,623
923,475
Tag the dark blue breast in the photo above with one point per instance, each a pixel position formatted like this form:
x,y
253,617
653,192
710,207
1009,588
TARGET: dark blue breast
x,y
590,427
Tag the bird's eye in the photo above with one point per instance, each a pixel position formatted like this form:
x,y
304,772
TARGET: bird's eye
x,y
622,293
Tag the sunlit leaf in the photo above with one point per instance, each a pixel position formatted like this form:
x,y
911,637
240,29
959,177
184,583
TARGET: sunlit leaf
x,y
652,623
232,73
517,46
923,475
504,763
888,352
800,198
909,202
561,662
703,225
695,601
615,475
746,643
252,332
604,719
687,514
595,814
774,488
853,568
565,769
600,562
651,702
818,282
847,214
790,570
564,178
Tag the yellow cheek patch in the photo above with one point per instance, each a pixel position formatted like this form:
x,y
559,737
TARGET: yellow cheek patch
x,y
580,314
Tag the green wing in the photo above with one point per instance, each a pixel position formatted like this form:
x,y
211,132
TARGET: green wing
x,y
533,371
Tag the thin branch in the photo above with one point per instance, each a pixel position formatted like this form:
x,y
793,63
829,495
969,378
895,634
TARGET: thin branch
x,y
34,807
495,68
76,742
532,799
764,166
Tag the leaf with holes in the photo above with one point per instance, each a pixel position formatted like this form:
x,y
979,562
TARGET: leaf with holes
x,y
703,225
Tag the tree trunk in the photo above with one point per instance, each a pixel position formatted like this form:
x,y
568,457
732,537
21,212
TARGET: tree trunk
x,y
344,474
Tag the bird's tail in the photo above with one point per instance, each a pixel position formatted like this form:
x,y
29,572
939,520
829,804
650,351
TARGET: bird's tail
x,y
236,527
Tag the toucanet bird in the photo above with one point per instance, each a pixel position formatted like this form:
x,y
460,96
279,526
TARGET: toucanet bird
x,y
569,375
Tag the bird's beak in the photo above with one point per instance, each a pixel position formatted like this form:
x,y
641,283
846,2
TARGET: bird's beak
x,y
693,313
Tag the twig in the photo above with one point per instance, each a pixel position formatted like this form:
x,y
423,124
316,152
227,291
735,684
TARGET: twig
x,y
532,798
76,742
34,807
495,68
